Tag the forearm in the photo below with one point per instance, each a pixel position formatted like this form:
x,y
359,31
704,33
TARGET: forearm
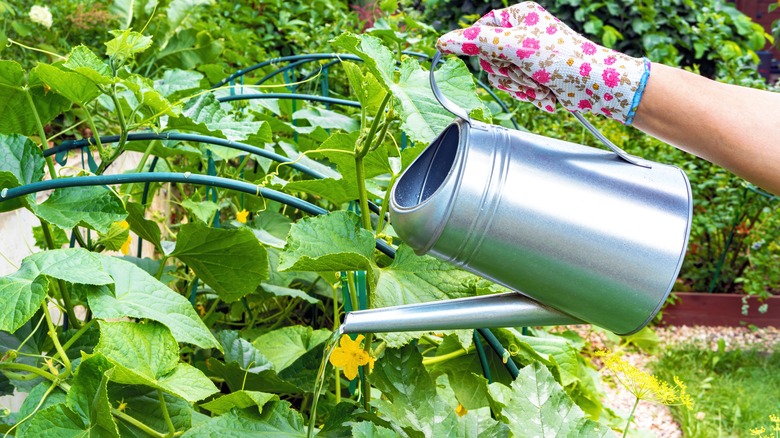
x,y
735,127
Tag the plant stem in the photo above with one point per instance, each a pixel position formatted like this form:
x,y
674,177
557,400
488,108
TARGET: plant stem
x,y
365,213
147,152
385,204
366,146
56,341
30,369
211,309
352,290
146,429
79,237
123,131
74,338
42,134
161,269
630,417
62,286
164,407
95,134
446,357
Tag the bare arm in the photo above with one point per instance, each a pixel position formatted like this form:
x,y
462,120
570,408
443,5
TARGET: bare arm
x,y
735,127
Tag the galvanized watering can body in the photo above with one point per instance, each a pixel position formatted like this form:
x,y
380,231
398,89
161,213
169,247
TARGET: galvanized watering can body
x,y
584,233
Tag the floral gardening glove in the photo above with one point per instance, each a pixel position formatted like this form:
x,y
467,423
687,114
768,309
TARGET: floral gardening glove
x,y
532,55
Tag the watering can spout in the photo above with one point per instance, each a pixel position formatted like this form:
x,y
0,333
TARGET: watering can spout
x,y
487,311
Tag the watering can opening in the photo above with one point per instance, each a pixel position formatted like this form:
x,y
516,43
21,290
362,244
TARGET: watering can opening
x,y
429,171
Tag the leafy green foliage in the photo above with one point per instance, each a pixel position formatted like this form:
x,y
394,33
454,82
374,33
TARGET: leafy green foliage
x,y
423,118
136,294
94,207
147,354
25,101
535,404
276,419
21,162
412,402
232,261
218,327
332,242
23,291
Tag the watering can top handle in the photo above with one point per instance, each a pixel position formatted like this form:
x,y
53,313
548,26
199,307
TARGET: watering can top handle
x,y
461,113
443,101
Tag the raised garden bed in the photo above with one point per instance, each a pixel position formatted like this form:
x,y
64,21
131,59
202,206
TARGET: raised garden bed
x,y
712,309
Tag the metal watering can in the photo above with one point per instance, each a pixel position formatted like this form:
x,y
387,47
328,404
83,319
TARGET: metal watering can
x,y
583,235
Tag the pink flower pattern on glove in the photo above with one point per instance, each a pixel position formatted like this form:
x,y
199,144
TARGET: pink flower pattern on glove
x,y
533,56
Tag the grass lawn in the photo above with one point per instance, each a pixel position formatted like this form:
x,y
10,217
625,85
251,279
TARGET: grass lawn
x,y
733,391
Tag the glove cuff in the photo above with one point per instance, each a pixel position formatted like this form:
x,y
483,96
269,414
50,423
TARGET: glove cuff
x,y
639,92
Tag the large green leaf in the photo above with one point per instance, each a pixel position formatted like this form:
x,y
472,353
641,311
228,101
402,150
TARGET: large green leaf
x,y
59,421
240,400
175,81
271,228
22,292
96,207
147,354
465,375
365,87
146,95
413,279
245,367
379,60
423,118
277,419
74,86
29,342
331,242
536,405
561,355
35,401
137,294
337,191
326,119
17,116
285,345
88,396
143,404
367,429
190,48
375,162
231,261
204,210
179,10
410,399
84,62
127,43
22,161
205,115
144,228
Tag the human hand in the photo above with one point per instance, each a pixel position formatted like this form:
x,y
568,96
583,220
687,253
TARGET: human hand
x,y
535,57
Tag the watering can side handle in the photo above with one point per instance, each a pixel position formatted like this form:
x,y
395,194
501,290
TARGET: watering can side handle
x,y
620,152
443,101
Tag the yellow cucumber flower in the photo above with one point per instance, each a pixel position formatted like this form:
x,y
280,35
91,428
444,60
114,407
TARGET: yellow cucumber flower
x,y
242,215
349,355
